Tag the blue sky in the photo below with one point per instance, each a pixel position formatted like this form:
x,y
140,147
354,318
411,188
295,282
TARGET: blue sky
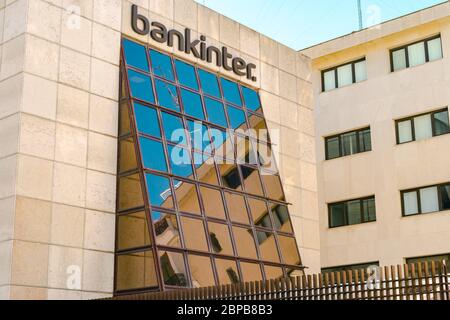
x,y
302,23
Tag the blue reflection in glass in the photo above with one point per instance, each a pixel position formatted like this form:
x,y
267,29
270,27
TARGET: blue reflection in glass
x,y
237,118
162,65
173,128
192,104
153,155
231,92
219,138
251,98
200,138
141,86
167,95
186,74
209,82
147,120
159,191
180,161
216,113
135,55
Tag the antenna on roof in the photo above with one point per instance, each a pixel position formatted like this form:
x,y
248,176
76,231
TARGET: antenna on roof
x,y
360,16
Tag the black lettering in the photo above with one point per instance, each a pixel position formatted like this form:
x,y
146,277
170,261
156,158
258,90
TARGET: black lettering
x,y
250,67
160,33
135,18
225,57
203,48
218,53
190,46
238,65
179,35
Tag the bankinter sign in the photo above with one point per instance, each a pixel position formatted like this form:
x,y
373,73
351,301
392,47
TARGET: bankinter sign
x,y
159,33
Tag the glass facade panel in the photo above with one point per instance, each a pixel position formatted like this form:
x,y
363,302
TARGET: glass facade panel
x,y
251,98
135,55
173,269
141,86
259,213
147,120
216,112
136,271
127,152
245,242
167,95
210,84
227,272
201,271
273,273
132,231
186,74
236,208
213,203
159,191
153,155
237,118
130,192
192,103
288,248
219,236
231,92
167,231
162,65
267,246
180,161
251,272
194,234
187,197
173,128
281,218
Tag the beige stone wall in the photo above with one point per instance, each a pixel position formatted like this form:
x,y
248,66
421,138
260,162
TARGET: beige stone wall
x,y
58,128
389,168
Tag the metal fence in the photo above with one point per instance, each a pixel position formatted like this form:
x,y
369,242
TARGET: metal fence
x,y
423,281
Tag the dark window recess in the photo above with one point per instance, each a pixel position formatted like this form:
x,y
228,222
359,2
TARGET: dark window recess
x,y
352,212
423,126
232,275
349,143
353,267
215,243
232,179
426,200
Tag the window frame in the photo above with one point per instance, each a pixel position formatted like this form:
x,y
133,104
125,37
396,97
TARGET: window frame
x,y
419,200
340,135
413,129
335,69
350,267
405,47
345,203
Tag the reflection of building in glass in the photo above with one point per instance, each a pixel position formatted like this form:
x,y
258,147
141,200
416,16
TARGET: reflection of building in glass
x,y
200,200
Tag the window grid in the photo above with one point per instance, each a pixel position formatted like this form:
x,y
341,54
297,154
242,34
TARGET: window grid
x,y
405,47
335,69
413,131
346,213
352,267
360,149
440,189
176,211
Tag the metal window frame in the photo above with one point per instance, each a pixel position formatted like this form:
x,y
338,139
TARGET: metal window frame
x,y
419,203
335,69
345,203
340,135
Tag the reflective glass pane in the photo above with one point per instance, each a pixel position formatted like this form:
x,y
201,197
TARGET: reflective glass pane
x,y
281,218
289,250
422,127
258,127
237,118
222,143
135,55
187,197
369,210
273,186
201,271
251,272
213,203
245,152
124,118
405,131
132,231
200,138
329,79
365,141
429,200
130,192
159,191
167,95
360,71
216,112
227,271
173,269
259,213
354,212
410,203
266,158
136,271
267,246
445,197
192,104
435,49
399,59
153,155
252,181
349,144
441,123
167,232
333,148
162,65
127,160
345,75
147,120
174,129
337,215
416,54
180,162
230,176
251,99
245,242
236,208
219,236
273,273
186,74
209,83
141,86
205,168
194,234
231,92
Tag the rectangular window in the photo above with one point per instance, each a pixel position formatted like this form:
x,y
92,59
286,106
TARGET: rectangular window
x,y
423,126
353,267
344,75
426,200
348,143
436,258
416,53
352,212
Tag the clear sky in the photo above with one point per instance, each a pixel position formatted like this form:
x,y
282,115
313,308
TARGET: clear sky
x,y
302,23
